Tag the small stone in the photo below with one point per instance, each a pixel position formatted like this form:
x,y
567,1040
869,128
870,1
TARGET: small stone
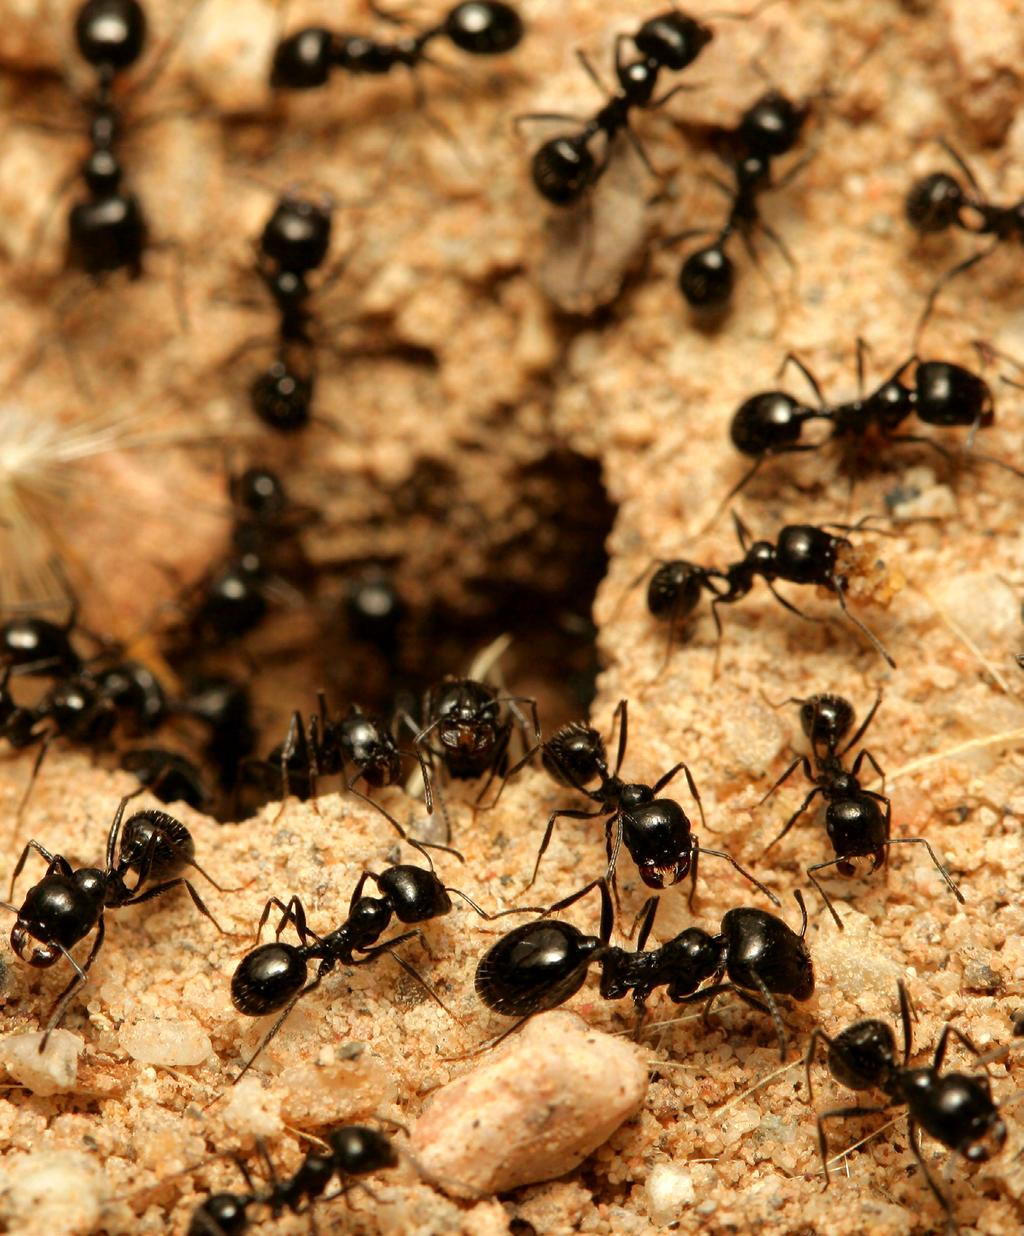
x,y
53,1191
669,1191
52,1071
229,54
252,1110
550,1099
167,1043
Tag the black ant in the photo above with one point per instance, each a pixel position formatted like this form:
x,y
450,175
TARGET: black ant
x,y
770,127
771,423
40,646
350,1151
357,747
956,1109
69,902
304,60
938,202
854,822
655,831
542,964
273,976
224,707
472,725
168,775
801,554
563,168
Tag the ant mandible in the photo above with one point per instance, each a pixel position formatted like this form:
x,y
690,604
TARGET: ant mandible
x,y
563,168
956,1109
854,822
273,977
350,1151
304,60
542,964
801,554
656,831
771,423
769,128
69,902
938,202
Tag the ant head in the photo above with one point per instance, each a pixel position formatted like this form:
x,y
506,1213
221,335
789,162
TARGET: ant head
x,y
366,741
948,394
56,913
259,493
766,423
282,398
303,61
862,1055
575,754
855,826
110,34
563,169
826,719
222,1214
934,203
771,125
374,609
297,235
805,554
267,978
358,1150
675,588
484,27
707,277
672,40
534,967
467,713
657,835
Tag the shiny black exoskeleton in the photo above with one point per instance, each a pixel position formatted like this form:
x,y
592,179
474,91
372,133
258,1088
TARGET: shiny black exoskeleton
x,y
169,775
294,243
770,127
956,1108
938,202
564,167
854,819
69,902
801,554
655,831
223,706
304,60
273,976
941,393
40,647
353,1150
107,229
542,964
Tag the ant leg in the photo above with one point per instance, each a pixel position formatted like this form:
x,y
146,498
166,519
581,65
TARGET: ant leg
x,y
694,860
645,921
801,759
57,862
294,912
388,947
620,717
940,1050
863,729
817,1036
289,748
416,844
742,532
160,889
832,862
567,814
959,269
840,1113
500,752
937,1193
791,358
931,854
691,784
836,586
513,701
428,798
278,1023
78,979
589,69
963,165
498,913
607,916
37,764
773,1009
793,818
790,606
905,1012
863,755
517,767
742,870
567,117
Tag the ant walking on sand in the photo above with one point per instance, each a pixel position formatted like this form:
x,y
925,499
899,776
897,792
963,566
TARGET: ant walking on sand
x,y
854,821
956,1109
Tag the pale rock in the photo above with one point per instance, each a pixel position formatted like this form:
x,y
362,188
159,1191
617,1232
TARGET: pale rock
x,y
171,1044
59,1191
252,1110
669,1191
52,1071
856,962
229,53
551,1098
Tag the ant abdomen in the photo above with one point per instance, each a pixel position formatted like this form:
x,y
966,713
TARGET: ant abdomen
x,y
267,978
484,27
537,966
156,842
767,422
934,203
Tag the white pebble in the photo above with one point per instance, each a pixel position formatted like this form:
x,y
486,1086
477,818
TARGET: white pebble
x,y
229,54
167,1043
669,1191
253,1110
49,1192
556,1093
52,1071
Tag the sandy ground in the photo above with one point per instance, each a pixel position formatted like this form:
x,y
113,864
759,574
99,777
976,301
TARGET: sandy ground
x,y
478,298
